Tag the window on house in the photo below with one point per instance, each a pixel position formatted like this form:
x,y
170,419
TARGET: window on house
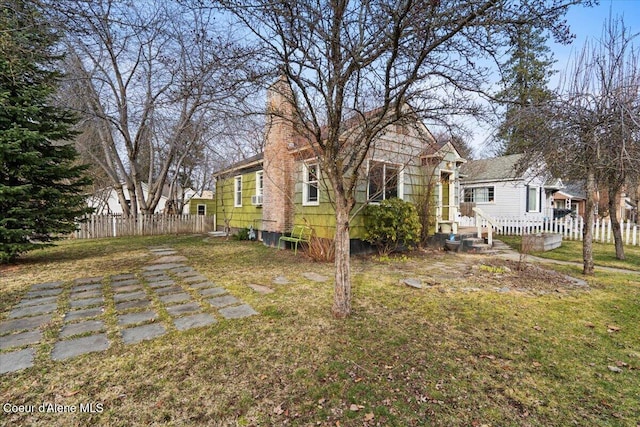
x,y
479,194
533,204
384,181
259,183
237,193
202,209
310,184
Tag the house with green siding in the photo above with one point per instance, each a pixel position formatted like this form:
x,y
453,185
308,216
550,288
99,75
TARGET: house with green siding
x,y
284,186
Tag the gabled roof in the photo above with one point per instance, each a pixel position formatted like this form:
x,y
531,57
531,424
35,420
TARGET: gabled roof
x,y
242,164
503,168
575,189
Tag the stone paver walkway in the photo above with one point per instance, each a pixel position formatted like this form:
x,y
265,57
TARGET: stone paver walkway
x,y
166,288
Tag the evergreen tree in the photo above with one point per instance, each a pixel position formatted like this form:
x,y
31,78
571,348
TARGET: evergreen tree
x,y
40,186
525,79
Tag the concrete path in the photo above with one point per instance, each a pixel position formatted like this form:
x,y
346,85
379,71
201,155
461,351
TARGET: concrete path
x,y
167,286
507,252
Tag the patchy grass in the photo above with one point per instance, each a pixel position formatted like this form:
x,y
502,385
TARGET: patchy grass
x,y
604,254
434,356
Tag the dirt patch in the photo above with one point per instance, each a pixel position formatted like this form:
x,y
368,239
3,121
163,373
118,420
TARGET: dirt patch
x,y
507,275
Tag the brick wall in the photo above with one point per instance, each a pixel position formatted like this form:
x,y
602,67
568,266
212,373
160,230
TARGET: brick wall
x,y
279,173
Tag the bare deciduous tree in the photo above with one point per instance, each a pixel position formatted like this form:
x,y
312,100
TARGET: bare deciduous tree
x,y
591,130
150,80
366,60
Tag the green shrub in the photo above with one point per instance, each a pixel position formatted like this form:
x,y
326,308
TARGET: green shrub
x,y
243,234
391,224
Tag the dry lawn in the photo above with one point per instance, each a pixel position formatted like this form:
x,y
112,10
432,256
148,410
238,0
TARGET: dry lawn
x,y
480,345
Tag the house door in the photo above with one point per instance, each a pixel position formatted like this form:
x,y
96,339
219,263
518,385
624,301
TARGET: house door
x,y
445,190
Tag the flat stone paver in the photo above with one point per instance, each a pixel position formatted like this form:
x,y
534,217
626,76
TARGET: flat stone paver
x,y
16,360
185,272
178,310
83,314
127,288
162,284
165,252
75,347
20,339
30,302
169,290
87,280
130,296
139,317
237,312
166,266
123,283
43,293
414,283
142,333
127,305
194,321
182,269
194,279
33,309
281,280
149,274
202,285
223,301
261,289
89,287
85,294
88,302
124,276
315,277
170,258
24,323
211,292
173,298
48,285
72,329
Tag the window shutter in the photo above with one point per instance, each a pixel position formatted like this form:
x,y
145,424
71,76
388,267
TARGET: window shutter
x,y
540,205
527,201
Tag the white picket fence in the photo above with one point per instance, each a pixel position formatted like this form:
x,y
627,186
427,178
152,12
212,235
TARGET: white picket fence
x,y
570,228
99,226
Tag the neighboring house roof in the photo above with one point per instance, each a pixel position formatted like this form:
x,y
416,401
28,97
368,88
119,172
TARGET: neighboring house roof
x,y
503,168
575,189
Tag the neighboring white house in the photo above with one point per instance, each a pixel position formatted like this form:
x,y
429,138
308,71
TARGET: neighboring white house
x,y
105,201
497,187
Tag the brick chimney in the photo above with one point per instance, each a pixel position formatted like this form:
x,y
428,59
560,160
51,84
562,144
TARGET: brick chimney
x,y
279,179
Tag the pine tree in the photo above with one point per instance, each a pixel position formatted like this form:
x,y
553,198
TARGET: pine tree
x,y
525,79
40,185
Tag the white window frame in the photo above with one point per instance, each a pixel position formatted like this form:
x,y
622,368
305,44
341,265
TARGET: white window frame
x,y
400,184
474,196
237,191
306,184
537,208
198,209
259,183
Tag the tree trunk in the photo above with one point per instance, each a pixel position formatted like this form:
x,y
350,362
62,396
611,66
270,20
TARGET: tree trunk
x,y
587,233
615,223
342,291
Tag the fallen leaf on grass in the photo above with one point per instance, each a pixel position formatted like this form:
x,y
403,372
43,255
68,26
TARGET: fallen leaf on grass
x,y
589,325
355,408
537,328
613,328
369,416
537,364
614,369
278,410
70,393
